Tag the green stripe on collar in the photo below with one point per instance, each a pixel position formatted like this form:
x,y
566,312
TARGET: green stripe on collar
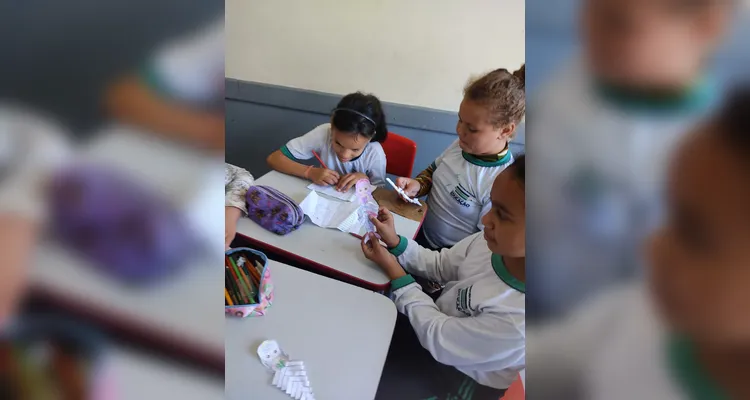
x,y
695,98
484,163
502,272
689,374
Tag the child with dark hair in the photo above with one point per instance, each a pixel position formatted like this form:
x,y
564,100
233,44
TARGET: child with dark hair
x,y
686,334
459,181
477,325
349,146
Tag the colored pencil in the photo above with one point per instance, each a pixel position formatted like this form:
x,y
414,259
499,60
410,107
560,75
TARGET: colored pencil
x,y
319,159
239,299
226,296
244,290
245,281
254,273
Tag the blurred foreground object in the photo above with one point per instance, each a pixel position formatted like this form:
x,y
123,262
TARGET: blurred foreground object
x,y
51,359
686,333
179,93
602,132
32,148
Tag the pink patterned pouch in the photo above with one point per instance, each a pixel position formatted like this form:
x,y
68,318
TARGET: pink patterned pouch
x,y
247,283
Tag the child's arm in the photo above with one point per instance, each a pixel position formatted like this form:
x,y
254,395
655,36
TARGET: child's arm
x,y
131,100
289,158
165,97
236,182
440,266
489,341
425,180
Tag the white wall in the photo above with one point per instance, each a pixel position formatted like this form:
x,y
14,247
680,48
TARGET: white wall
x,y
416,52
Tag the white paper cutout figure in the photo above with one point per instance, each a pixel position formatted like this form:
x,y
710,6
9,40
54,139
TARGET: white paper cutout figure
x,y
368,207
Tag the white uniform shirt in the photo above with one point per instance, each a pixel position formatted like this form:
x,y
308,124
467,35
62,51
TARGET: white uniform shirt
x,y
597,188
615,349
191,68
371,162
460,195
478,323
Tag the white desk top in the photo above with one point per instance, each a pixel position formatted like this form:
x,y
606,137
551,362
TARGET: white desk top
x,y
340,331
186,308
137,376
329,247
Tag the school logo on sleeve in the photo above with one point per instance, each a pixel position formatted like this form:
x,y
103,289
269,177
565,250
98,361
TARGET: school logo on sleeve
x,y
463,301
461,195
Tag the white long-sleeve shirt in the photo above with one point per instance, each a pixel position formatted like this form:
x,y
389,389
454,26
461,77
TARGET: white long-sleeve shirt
x,y
615,348
478,323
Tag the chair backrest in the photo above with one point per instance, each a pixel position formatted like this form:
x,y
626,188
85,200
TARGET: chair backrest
x,y
400,152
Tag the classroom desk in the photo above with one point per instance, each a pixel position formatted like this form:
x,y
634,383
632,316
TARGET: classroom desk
x,y
136,376
340,331
183,312
325,249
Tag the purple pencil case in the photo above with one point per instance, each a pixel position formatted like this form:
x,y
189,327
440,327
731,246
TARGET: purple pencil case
x,y
120,227
273,210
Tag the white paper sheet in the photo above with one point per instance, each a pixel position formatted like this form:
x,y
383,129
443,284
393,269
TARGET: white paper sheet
x,y
331,191
328,213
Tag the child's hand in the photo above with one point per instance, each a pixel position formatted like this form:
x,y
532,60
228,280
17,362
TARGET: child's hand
x,y
410,186
324,177
349,180
379,255
385,227
231,215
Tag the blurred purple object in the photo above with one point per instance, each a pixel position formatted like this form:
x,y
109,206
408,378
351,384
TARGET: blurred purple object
x,y
120,227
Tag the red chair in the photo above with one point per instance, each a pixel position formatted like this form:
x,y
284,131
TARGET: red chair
x,y
400,153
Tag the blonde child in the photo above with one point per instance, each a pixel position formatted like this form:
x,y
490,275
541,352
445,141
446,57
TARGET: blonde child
x,y
477,325
349,145
599,133
236,182
459,181
686,334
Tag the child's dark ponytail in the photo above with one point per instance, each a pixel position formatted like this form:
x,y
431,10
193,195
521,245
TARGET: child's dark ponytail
x,y
361,114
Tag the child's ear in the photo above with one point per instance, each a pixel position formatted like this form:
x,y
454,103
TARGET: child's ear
x,y
506,131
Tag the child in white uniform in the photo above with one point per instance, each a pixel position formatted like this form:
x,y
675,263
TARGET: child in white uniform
x,y
349,146
686,334
460,180
179,93
477,325
236,182
600,131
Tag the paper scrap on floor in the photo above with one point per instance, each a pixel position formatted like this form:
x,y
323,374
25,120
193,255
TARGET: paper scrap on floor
x,y
328,213
331,191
